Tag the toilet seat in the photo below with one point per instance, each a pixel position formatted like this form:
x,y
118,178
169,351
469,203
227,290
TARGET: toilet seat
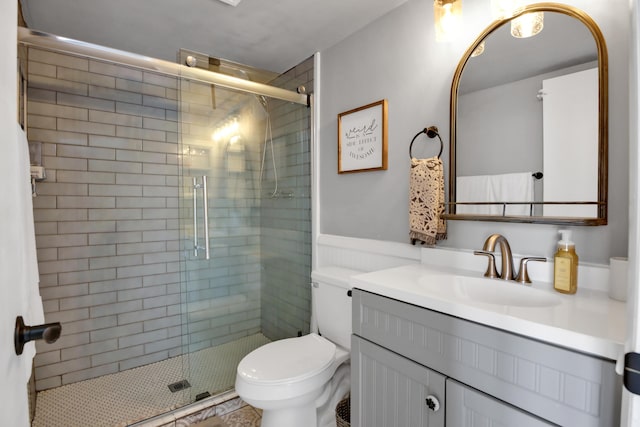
x,y
287,361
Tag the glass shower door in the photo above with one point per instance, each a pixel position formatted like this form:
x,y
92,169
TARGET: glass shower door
x,y
245,228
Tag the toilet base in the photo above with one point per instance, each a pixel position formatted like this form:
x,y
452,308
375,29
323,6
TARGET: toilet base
x,y
299,416
337,389
314,409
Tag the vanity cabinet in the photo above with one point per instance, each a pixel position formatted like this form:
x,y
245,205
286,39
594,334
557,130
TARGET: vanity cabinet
x,y
392,390
403,355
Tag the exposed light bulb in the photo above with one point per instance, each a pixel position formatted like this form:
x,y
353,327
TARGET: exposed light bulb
x,y
527,25
478,50
448,17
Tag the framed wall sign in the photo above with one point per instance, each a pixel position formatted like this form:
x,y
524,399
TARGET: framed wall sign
x,y
362,138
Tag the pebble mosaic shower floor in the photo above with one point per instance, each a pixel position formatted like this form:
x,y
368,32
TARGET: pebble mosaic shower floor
x,y
136,394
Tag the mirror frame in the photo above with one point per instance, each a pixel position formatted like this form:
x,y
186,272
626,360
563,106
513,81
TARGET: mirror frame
x,y
603,127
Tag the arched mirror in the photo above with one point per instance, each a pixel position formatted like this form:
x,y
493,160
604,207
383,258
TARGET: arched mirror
x,y
529,123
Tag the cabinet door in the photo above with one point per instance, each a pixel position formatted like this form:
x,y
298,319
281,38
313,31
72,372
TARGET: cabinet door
x,y
388,390
467,407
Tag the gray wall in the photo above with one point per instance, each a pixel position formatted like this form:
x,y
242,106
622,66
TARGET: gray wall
x,y
397,58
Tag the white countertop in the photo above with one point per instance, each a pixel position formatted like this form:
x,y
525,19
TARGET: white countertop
x,y
587,321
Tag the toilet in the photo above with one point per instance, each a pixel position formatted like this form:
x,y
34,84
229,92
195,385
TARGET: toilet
x,y
299,381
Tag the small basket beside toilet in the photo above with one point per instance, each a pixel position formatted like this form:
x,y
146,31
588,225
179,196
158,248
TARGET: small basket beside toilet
x,y
343,412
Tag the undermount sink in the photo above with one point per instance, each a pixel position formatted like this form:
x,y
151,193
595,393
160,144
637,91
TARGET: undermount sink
x,y
487,291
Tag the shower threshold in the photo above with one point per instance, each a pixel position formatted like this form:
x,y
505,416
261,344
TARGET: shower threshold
x,y
136,396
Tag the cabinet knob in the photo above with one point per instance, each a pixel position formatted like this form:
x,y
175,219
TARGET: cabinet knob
x,y
432,403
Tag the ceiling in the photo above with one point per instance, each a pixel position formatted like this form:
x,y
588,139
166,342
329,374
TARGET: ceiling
x,y
274,35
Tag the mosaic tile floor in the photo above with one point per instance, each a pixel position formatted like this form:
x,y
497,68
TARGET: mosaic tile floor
x,y
136,394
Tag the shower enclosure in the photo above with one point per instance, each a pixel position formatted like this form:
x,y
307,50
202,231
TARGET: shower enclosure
x,y
245,221
173,228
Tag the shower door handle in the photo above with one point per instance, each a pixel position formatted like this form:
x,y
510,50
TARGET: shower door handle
x,y
205,207
195,217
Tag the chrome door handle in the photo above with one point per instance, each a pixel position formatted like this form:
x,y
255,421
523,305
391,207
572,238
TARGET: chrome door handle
x,y
195,217
49,332
205,208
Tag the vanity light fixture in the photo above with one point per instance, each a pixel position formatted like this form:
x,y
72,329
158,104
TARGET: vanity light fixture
x,y
448,16
527,25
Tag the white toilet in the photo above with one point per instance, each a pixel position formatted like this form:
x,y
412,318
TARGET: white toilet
x,y
297,382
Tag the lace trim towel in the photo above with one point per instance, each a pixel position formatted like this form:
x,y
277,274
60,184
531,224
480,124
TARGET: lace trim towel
x,y
426,201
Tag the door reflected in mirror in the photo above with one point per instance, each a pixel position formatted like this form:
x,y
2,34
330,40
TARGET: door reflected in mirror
x,y
526,108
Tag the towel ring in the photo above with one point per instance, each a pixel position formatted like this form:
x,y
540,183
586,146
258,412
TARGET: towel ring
x,y
431,132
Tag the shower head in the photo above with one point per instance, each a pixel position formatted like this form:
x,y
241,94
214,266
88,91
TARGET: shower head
x,y
261,98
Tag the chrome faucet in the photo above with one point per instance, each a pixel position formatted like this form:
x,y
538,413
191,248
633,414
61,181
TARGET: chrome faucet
x,y
506,271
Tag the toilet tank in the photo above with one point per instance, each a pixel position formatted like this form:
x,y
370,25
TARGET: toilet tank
x,y
332,303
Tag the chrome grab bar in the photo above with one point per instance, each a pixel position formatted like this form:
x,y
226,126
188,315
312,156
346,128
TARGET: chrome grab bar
x,y
205,205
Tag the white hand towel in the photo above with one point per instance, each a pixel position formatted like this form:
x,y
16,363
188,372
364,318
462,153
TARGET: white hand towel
x,y
476,188
516,187
510,187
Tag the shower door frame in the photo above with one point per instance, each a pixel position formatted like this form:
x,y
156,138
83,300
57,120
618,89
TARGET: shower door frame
x,y
44,40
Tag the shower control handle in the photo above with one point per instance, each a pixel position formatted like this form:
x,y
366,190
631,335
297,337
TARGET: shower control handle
x,y
49,332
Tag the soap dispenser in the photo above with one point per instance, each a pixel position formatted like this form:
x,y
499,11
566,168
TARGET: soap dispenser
x,y
565,274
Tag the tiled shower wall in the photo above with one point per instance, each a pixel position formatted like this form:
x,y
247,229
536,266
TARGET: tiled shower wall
x,y
286,216
107,223
106,216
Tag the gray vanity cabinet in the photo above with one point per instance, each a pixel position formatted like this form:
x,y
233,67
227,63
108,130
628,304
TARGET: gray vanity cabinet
x,y
392,390
467,407
401,354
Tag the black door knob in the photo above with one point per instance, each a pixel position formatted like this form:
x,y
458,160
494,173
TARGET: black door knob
x,y
49,332
432,403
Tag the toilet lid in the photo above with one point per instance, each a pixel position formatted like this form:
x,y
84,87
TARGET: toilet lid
x,y
288,360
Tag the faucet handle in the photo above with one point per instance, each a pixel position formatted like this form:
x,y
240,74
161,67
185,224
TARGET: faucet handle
x,y
523,274
491,267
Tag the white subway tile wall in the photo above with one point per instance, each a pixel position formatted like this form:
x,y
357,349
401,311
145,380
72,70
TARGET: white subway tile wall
x,y
108,218
285,221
